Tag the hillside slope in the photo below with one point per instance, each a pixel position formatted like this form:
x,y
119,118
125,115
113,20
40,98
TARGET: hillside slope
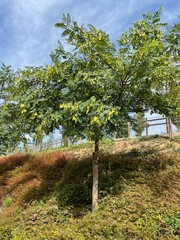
x,y
48,195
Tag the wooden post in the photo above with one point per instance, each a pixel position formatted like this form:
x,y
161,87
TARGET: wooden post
x,y
170,129
146,127
167,125
68,140
129,129
41,146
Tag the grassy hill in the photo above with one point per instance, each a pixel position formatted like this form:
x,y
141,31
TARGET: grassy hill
x,y
48,195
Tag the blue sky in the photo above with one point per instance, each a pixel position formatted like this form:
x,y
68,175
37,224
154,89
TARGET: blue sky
x,y
27,32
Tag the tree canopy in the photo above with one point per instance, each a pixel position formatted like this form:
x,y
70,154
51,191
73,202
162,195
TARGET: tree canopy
x,y
11,128
92,89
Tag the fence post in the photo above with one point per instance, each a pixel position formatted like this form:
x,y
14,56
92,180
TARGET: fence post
x,y
129,129
68,142
146,127
170,129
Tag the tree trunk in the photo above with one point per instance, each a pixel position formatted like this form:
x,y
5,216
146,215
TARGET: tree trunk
x,y
129,129
170,129
95,163
167,125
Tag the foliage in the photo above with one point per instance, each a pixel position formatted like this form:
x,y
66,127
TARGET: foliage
x,y
5,232
138,124
114,82
37,99
176,121
92,90
7,202
11,127
174,222
172,47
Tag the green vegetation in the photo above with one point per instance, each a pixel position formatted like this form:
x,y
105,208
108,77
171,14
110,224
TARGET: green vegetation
x,y
94,89
139,123
48,195
7,202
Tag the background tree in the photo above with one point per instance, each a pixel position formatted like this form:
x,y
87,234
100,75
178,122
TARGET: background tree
x,y
176,122
173,47
122,130
36,92
138,123
11,126
38,139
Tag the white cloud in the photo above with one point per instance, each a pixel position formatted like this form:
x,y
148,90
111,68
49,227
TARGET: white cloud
x,y
27,31
30,26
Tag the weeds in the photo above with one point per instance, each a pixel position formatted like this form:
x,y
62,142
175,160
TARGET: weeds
x,y
7,202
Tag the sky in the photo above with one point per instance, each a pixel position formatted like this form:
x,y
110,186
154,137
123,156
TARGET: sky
x,y
27,27
28,34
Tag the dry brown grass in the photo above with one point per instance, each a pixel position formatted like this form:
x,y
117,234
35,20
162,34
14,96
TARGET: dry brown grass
x,y
25,177
12,161
20,178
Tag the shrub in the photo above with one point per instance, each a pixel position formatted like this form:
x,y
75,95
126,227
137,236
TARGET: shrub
x,y
7,202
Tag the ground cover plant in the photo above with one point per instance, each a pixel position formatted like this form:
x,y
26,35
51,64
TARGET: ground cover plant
x,y
48,195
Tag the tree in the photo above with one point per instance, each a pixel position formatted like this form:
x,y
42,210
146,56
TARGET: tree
x,y
11,127
37,139
176,122
95,87
10,130
173,48
36,93
138,123
105,84
122,130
